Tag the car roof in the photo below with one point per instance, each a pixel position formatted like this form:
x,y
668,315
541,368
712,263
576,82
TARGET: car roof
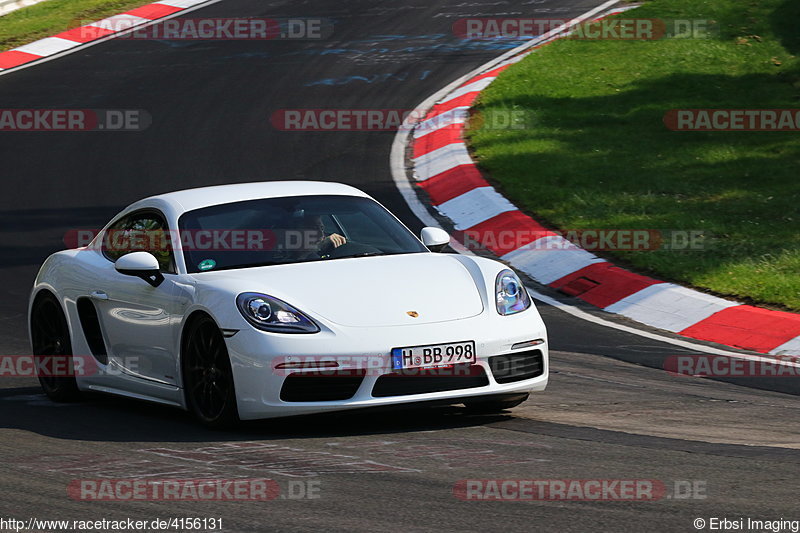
x,y
190,199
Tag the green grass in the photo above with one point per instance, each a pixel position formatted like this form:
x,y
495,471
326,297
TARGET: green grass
x,y
597,154
54,16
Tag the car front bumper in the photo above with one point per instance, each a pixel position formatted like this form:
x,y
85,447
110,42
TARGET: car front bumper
x,y
255,354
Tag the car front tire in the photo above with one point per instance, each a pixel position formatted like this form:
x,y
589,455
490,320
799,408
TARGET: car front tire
x,y
207,375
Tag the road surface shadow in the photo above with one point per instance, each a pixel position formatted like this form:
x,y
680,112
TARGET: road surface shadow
x,y
114,419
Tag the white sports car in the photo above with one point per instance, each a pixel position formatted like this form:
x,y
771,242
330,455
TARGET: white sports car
x,y
260,300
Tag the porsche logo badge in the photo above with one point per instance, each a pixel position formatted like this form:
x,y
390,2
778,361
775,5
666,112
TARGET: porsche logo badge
x,y
412,314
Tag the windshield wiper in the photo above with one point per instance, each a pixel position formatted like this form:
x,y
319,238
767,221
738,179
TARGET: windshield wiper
x,y
361,254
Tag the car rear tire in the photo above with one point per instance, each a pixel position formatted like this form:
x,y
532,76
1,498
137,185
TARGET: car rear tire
x,y
207,375
52,347
494,404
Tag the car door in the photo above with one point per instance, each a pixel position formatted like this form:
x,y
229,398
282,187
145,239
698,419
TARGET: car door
x,y
137,319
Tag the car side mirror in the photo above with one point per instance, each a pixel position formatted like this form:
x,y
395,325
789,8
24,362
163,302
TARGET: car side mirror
x,y
435,238
142,265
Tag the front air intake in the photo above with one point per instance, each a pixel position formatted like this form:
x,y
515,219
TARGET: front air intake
x,y
519,366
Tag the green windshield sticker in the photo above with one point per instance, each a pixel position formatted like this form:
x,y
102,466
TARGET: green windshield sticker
x,y
206,264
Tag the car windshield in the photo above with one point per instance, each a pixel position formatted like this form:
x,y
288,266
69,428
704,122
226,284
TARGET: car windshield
x,y
296,229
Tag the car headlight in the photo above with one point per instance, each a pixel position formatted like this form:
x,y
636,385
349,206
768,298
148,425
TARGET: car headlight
x,y
510,294
270,314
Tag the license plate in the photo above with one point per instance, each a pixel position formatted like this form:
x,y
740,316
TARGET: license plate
x,y
433,355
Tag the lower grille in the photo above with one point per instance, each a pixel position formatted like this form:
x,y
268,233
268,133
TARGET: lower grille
x,y
517,366
312,387
406,383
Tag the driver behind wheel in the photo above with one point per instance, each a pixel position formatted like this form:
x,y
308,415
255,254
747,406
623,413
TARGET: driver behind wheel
x,y
314,236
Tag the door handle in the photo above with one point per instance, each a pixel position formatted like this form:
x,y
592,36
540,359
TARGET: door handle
x,y
99,295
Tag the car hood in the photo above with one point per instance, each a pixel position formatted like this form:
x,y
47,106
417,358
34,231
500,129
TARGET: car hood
x,y
367,291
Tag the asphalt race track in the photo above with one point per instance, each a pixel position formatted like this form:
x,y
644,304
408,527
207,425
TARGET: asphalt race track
x,y
602,417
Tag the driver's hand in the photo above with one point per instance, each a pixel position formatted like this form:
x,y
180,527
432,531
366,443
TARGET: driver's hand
x,y
331,242
336,239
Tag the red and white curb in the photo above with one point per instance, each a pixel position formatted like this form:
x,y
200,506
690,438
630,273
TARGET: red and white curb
x,y
9,6
101,29
455,187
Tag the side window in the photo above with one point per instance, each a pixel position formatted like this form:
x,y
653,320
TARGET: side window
x,y
140,232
